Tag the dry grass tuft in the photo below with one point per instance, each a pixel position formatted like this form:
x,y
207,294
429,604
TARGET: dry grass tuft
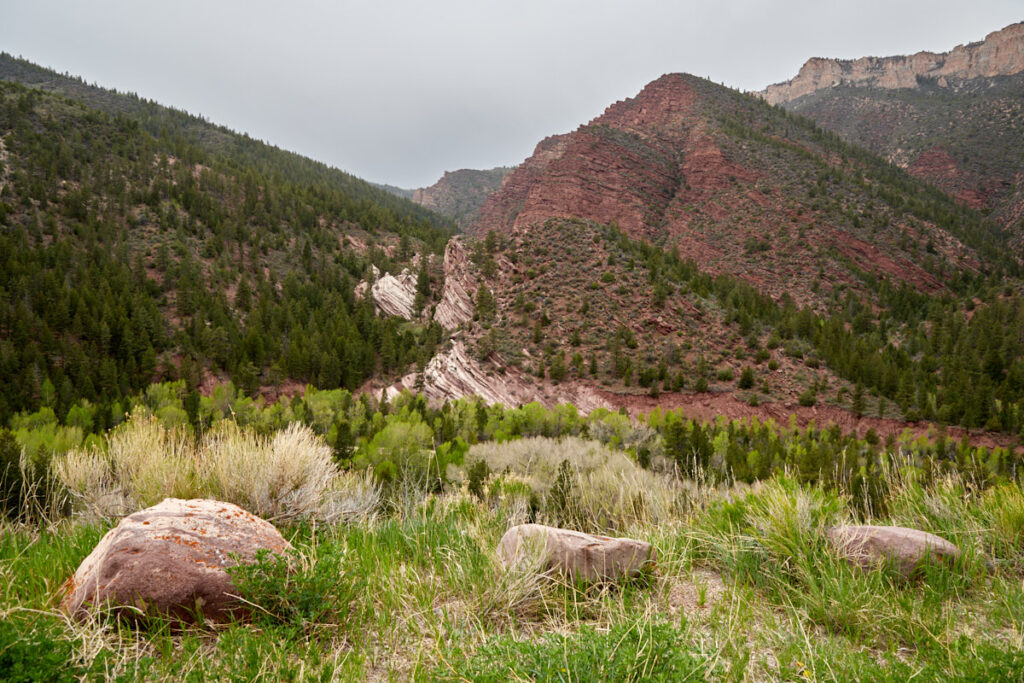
x,y
594,487
286,477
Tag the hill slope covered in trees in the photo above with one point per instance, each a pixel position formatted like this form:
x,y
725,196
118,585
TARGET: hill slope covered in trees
x,y
142,243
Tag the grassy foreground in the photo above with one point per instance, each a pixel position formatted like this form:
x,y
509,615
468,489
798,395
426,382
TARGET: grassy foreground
x,y
746,588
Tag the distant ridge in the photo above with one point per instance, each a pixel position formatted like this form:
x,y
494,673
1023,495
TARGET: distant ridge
x,y
1001,53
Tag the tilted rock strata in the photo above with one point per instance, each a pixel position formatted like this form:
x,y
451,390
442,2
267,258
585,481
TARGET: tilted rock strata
x,y
172,559
456,304
396,294
1000,54
574,554
623,166
392,294
454,374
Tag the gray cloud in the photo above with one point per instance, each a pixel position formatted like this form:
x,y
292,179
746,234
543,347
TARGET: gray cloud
x,y
399,91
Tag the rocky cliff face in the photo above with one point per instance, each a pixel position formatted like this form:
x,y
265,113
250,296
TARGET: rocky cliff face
x,y
456,304
955,120
392,294
623,166
455,374
1000,54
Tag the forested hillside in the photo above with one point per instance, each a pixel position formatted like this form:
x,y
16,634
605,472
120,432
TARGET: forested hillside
x,y
148,244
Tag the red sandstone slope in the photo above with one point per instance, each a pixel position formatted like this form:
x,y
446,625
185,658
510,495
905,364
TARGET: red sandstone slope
x,y
741,188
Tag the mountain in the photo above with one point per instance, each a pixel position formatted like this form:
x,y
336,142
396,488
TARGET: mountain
x,y
693,246
743,188
140,243
458,195
955,119
699,247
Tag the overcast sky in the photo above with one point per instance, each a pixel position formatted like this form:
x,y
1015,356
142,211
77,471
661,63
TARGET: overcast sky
x,y
400,91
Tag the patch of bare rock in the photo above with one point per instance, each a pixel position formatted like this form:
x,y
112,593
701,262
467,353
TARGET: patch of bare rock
x,y
454,374
172,559
456,304
574,554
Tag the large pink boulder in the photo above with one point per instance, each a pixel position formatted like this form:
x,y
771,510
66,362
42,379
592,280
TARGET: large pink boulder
x,y
574,554
171,559
907,549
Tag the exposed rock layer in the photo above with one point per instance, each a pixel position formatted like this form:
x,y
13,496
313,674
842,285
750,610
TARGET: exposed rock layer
x,y
456,304
455,374
955,120
678,165
171,559
396,294
1000,54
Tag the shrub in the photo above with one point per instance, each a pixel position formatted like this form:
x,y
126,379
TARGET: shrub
x,y
725,375
747,378
288,476
582,483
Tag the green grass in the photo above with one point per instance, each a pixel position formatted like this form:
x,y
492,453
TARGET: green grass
x,y
746,588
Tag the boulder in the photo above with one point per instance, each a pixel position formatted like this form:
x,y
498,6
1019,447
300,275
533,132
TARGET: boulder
x,y
870,546
574,554
171,559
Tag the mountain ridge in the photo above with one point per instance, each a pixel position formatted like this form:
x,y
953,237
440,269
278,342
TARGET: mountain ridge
x,y
1001,53
714,174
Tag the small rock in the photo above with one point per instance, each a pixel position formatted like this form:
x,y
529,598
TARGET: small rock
x,y
869,546
575,554
171,559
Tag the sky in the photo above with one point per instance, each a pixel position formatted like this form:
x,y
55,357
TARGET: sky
x,y
399,91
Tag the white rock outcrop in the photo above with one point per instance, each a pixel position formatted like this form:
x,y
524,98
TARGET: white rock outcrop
x,y
392,294
396,294
454,373
456,305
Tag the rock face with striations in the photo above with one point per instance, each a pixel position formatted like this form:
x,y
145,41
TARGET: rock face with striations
x,y
907,549
396,294
172,559
1000,54
454,373
392,294
955,119
574,554
456,304
715,176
